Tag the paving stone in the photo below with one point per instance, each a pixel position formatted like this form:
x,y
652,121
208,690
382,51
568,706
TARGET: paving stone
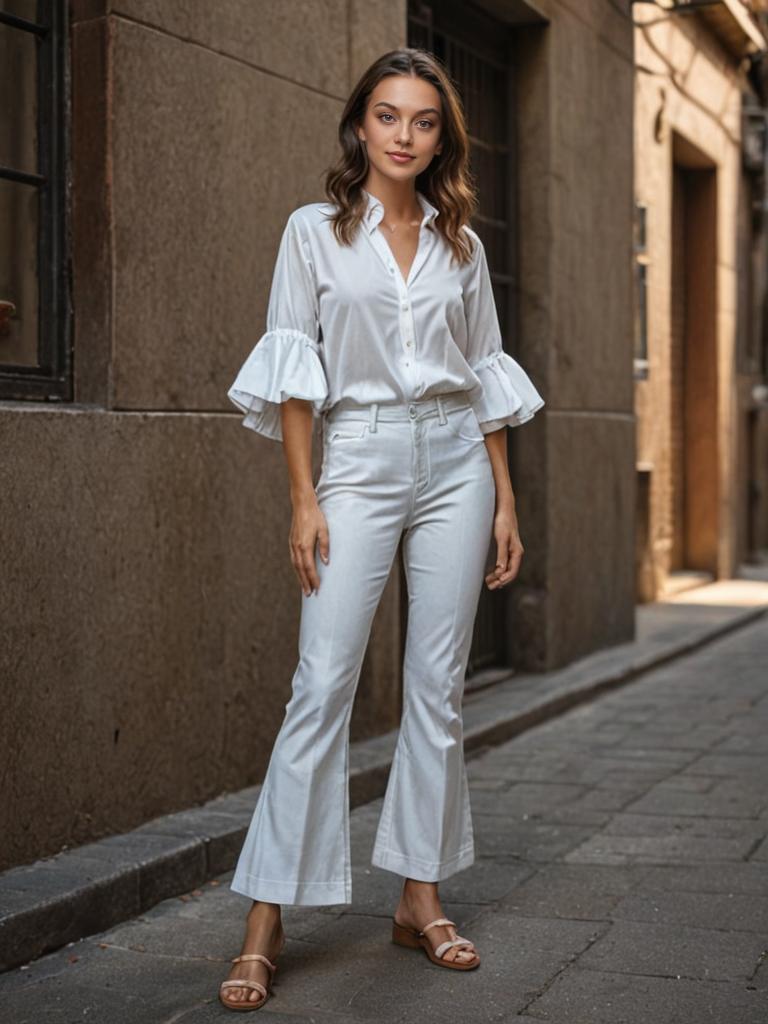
x,y
723,912
526,840
520,956
571,814
727,799
111,985
690,783
735,766
595,997
746,743
656,757
627,823
525,797
608,849
638,947
603,798
573,891
486,881
700,737
737,878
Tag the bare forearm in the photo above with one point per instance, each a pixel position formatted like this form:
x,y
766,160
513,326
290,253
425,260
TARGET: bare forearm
x,y
296,419
496,445
309,530
509,547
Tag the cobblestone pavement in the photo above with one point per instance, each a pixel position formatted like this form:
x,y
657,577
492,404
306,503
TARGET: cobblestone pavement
x,y
621,878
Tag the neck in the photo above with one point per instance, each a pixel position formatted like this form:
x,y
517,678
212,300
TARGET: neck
x,y
399,199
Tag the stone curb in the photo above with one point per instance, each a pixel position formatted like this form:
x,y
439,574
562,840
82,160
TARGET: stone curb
x,y
79,892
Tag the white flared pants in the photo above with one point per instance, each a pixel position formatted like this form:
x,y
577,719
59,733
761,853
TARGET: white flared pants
x,y
419,471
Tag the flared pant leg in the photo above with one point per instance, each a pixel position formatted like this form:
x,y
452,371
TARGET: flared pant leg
x,y
297,848
425,828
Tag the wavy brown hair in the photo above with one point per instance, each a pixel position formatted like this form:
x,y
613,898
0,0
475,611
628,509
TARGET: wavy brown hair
x,y
447,182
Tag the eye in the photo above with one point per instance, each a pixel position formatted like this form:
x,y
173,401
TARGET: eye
x,y
427,123
384,115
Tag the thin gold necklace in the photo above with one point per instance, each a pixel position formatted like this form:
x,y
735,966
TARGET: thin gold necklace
x,y
392,227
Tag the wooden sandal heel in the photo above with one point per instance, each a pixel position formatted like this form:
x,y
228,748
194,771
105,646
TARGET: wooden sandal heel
x,y
412,938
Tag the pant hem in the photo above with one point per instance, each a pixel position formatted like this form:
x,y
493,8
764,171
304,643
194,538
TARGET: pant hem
x,y
422,870
305,894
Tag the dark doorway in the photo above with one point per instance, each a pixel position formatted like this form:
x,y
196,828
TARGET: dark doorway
x,y
693,363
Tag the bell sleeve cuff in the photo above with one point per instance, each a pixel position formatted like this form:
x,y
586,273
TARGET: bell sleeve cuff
x,y
284,364
508,396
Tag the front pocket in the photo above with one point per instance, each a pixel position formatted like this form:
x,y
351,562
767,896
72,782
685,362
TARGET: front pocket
x,y
347,432
464,423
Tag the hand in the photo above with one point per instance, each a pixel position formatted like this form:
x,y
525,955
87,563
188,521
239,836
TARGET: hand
x,y
308,527
509,550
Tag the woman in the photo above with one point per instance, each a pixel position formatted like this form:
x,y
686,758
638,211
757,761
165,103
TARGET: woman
x,y
381,322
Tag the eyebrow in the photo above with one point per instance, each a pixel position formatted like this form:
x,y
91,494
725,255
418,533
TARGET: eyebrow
x,y
426,110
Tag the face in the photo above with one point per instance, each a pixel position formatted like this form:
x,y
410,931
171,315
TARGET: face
x,y
403,116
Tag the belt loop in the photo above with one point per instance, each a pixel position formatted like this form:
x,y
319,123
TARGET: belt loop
x,y
440,409
373,417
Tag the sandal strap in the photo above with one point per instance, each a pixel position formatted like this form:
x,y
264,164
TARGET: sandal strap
x,y
255,956
432,924
445,946
244,983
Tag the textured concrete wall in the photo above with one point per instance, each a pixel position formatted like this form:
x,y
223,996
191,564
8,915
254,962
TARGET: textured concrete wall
x,y
689,118
152,605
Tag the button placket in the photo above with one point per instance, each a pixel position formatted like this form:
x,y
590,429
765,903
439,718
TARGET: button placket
x,y
406,319
407,328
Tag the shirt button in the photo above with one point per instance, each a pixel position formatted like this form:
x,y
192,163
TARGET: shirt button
x,y
405,305
411,409
408,344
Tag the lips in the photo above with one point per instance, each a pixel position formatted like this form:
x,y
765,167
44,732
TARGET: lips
x,y
396,153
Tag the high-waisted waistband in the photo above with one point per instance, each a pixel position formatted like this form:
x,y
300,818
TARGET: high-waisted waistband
x,y
418,408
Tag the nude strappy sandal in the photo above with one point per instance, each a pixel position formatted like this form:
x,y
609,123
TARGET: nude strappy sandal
x,y
402,935
246,1004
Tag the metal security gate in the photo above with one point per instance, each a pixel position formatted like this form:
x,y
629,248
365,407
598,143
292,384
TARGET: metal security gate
x,y
475,49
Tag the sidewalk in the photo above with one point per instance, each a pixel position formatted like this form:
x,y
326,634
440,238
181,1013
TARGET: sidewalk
x,y
621,878
90,888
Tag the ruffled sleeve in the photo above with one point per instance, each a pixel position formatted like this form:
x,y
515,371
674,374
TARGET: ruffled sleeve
x,y
287,360
508,396
504,394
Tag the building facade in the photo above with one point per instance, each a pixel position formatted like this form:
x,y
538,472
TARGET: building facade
x,y
701,350
149,608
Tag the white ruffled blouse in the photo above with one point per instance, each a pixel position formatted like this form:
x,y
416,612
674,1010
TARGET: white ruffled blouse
x,y
343,323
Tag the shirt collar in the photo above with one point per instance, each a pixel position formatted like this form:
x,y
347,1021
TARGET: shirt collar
x,y
375,210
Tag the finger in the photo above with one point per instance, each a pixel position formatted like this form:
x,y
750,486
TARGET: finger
x,y
298,565
515,559
501,556
303,581
511,571
324,543
307,557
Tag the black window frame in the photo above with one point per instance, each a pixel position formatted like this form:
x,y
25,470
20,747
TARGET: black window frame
x,y
51,378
